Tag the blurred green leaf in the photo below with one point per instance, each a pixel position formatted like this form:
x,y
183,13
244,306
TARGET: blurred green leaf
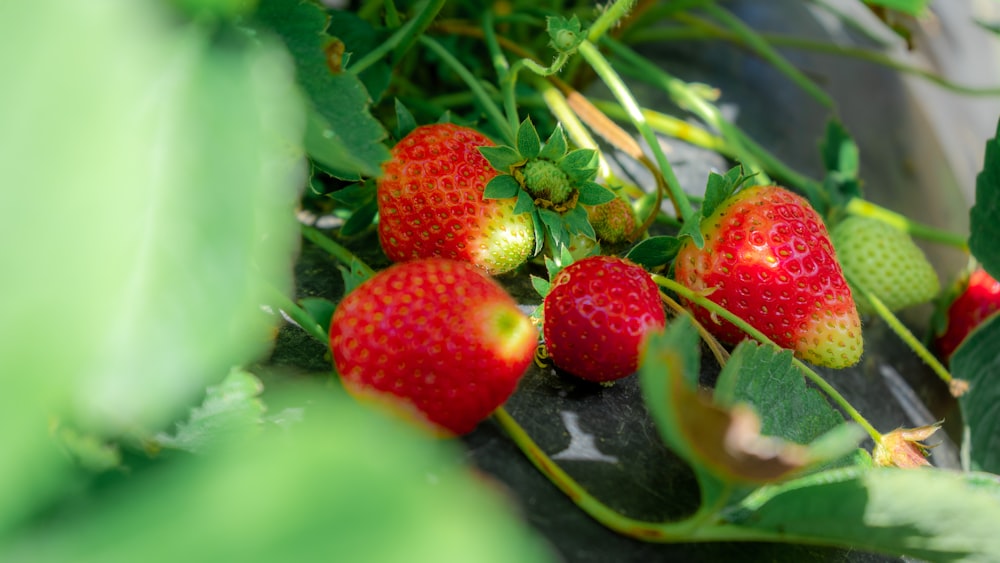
x,y
342,132
841,160
344,484
321,310
172,169
911,7
984,218
977,362
930,514
358,38
231,410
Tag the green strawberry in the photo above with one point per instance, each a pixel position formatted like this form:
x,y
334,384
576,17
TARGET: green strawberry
x,y
597,313
885,261
434,339
768,259
430,202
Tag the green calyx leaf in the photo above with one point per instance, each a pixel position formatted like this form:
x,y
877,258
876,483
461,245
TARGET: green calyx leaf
x,y
502,187
579,165
654,251
592,193
555,146
528,142
504,159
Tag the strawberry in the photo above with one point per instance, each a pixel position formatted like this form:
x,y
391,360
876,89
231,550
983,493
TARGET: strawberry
x,y
435,339
597,312
768,259
430,202
884,261
978,299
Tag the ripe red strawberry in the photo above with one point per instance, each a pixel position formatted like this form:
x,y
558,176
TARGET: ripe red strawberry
x,y
768,259
435,339
979,299
597,313
884,261
430,202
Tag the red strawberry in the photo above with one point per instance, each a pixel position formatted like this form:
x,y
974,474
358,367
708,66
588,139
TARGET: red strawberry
x,y
597,313
979,300
434,338
768,259
430,202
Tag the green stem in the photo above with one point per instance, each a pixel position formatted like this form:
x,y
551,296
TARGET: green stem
x,y
864,208
472,83
810,374
702,526
905,335
299,315
339,252
403,39
608,19
754,41
621,92
502,67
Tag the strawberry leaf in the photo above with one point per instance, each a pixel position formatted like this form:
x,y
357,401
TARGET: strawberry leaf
x,y
342,124
554,226
555,147
503,158
502,187
231,410
528,143
765,377
984,218
592,193
976,361
577,222
654,252
405,122
360,219
929,514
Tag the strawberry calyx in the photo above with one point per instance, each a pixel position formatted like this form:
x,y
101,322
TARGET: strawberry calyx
x,y
550,181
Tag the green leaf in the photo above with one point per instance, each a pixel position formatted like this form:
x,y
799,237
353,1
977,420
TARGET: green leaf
x,y
592,193
977,362
353,276
230,411
553,223
358,38
541,285
321,310
580,165
360,219
654,252
503,158
692,229
405,122
528,143
719,188
984,218
355,195
555,147
187,165
841,159
536,219
340,99
764,376
502,186
577,222
930,514
89,451
525,204
343,481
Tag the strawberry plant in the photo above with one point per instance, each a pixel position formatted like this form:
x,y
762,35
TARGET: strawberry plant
x,y
276,242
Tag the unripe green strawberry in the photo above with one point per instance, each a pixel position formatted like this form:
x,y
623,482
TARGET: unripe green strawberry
x,y
978,299
613,221
430,202
597,314
884,261
768,259
434,339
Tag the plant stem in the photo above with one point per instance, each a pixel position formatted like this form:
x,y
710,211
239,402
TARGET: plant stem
x,y
403,39
864,208
621,92
753,40
299,315
956,386
493,112
810,374
342,254
608,19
